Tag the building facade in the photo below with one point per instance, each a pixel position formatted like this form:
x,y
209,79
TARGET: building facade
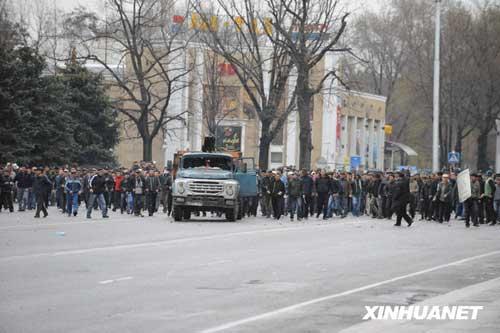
x,y
347,126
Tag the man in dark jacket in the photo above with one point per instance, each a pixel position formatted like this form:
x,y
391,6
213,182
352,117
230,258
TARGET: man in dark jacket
x,y
323,188
40,185
166,191
137,186
97,188
295,191
152,188
24,183
400,197
6,190
307,192
444,199
265,192
277,189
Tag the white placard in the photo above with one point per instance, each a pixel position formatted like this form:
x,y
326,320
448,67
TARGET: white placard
x,y
464,187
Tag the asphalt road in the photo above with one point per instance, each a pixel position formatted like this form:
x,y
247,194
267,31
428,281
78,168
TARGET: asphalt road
x,y
128,274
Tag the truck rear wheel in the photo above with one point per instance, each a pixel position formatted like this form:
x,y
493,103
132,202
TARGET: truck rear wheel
x,y
177,214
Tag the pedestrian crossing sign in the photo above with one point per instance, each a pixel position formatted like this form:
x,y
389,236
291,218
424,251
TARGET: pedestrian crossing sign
x,y
453,157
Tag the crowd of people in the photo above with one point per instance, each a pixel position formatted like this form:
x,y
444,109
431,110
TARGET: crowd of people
x,y
133,191
432,197
297,194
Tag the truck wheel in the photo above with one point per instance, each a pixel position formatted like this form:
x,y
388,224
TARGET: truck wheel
x,y
231,215
187,214
239,212
177,214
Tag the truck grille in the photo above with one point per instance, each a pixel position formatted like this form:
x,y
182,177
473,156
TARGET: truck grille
x,y
206,187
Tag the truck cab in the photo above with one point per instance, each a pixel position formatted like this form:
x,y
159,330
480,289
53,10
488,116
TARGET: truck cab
x,y
206,182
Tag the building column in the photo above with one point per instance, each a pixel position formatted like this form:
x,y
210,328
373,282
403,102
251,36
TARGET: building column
x,y
197,127
362,144
381,146
371,124
353,129
292,146
177,138
344,141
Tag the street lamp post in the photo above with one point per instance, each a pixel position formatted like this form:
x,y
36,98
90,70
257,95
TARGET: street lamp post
x,y
435,123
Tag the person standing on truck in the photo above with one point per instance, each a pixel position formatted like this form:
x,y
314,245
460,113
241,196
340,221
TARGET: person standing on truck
x,y
277,192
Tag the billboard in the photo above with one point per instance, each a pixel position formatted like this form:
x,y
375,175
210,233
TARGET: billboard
x,y
228,137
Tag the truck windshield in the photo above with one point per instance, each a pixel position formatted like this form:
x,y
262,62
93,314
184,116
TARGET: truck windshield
x,y
210,162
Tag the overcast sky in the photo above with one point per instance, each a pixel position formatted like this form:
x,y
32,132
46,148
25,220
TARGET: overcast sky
x,y
355,5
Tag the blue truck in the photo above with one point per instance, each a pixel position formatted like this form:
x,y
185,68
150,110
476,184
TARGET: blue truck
x,y
213,182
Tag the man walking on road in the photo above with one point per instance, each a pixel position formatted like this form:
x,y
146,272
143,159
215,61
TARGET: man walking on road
x,y
97,188
400,198
40,185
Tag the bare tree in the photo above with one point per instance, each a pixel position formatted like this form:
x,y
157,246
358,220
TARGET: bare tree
x,y
310,30
485,46
249,43
144,52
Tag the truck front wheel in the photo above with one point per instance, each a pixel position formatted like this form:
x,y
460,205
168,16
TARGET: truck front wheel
x,y
187,214
231,214
177,214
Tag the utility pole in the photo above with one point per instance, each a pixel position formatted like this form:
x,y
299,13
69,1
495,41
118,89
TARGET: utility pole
x,y
435,113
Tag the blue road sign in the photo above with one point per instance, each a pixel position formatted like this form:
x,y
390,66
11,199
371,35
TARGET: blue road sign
x,y
453,157
355,162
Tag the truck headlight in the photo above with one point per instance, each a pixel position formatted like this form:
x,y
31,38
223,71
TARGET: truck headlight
x,y
180,188
230,190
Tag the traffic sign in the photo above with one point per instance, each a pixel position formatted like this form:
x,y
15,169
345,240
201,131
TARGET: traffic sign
x,y
355,162
453,157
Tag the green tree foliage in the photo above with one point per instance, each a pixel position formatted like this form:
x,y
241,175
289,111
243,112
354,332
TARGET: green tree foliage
x,y
52,119
95,130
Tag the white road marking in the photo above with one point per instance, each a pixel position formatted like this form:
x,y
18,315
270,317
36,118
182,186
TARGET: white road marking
x,y
213,263
293,307
106,281
116,280
163,243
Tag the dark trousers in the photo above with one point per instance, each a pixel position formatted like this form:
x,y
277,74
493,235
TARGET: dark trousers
x,y
117,200
41,204
413,204
471,211
490,210
444,211
322,204
277,202
308,207
137,203
402,214
266,205
6,201
480,210
151,202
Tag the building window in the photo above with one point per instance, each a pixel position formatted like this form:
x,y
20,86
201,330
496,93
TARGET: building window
x,y
277,157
